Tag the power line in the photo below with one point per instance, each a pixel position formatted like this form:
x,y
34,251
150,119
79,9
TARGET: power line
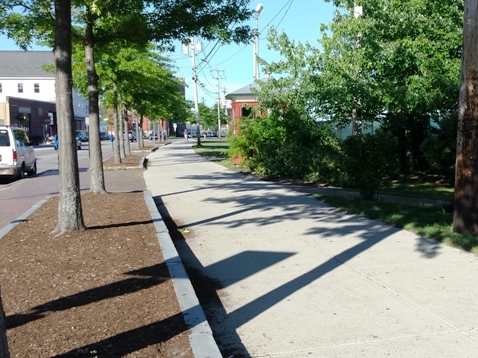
x,y
282,8
290,4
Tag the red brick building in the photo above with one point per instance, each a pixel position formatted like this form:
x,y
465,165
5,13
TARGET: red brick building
x,y
243,102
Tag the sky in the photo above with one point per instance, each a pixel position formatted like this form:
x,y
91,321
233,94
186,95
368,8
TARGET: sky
x,y
299,19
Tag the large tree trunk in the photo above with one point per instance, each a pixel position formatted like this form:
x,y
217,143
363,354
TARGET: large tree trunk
x,y
96,156
141,123
127,143
4,352
139,133
121,134
465,216
70,216
117,129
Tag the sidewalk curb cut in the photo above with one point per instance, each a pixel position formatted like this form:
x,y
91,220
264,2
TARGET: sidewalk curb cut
x,y
200,337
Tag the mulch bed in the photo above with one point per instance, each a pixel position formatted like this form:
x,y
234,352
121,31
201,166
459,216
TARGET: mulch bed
x,y
101,292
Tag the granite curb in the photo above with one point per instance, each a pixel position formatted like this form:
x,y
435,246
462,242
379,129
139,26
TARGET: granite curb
x,y
201,337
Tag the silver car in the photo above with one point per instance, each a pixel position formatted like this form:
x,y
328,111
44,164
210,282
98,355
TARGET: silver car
x,y
81,135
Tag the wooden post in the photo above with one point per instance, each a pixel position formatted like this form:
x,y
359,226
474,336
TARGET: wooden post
x,y
465,202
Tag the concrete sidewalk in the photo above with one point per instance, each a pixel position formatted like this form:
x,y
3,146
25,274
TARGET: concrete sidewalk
x,y
296,278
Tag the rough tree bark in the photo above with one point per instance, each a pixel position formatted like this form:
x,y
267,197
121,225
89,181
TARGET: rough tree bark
x,y
121,134
465,203
139,133
117,129
70,216
4,352
96,156
127,143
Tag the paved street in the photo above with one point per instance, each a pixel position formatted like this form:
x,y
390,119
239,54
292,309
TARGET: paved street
x,y
18,196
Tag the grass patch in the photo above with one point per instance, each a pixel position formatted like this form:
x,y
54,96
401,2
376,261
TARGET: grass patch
x,y
418,190
213,148
216,151
426,221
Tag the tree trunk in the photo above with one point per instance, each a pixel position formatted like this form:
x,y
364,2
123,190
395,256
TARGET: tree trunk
x,y
141,122
4,352
139,133
465,216
127,148
96,156
70,216
116,121
121,134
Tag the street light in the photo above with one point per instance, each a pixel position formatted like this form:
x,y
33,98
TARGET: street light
x,y
358,11
258,11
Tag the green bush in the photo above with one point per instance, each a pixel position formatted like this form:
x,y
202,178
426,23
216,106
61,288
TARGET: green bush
x,y
367,160
286,145
439,149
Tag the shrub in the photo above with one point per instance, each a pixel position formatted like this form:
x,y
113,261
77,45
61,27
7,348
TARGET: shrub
x,y
367,160
286,145
439,149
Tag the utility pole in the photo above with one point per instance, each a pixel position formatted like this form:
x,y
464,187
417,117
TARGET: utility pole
x,y
218,78
465,201
193,46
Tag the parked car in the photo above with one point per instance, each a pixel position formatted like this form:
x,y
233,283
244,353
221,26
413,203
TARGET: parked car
x,y
104,136
153,135
17,156
56,143
82,135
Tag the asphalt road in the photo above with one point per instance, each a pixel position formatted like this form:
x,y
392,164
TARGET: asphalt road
x,y
47,159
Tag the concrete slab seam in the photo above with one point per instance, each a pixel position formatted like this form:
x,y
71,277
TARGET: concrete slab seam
x,y
5,230
200,337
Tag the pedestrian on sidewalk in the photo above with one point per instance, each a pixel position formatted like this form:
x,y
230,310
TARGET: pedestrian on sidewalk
x,y
186,134
56,143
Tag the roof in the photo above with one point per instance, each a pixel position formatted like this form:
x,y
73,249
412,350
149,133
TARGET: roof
x,y
25,63
244,91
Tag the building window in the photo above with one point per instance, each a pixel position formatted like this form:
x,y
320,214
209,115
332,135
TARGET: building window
x,y
20,88
37,88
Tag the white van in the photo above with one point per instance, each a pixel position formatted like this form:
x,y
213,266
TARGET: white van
x,y
17,156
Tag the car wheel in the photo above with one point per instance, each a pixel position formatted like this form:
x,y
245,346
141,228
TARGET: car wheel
x,y
21,172
33,171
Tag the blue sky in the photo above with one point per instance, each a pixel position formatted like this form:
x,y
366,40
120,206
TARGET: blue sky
x,y
299,19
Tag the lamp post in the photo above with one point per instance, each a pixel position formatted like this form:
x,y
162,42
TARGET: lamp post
x,y
358,11
258,10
